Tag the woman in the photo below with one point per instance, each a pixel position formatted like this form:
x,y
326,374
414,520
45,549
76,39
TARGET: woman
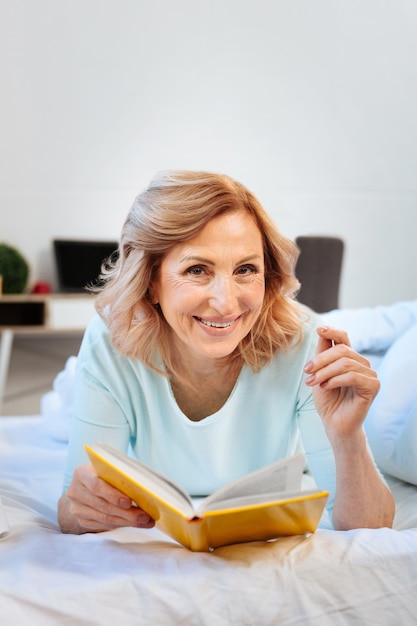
x,y
204,363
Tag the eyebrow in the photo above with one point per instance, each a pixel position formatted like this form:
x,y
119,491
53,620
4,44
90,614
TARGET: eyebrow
x,y
201,259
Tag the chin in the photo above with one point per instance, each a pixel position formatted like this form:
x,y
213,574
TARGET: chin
x,y
219,353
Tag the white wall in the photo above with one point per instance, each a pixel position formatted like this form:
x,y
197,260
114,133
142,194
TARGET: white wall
x,y
310,103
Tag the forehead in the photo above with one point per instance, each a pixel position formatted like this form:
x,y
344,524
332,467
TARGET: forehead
x,y
231,232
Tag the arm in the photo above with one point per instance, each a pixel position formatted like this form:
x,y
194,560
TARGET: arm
x,y
99,414
344,387
89,503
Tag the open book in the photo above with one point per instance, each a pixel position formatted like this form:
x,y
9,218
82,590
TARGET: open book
x,y
262,505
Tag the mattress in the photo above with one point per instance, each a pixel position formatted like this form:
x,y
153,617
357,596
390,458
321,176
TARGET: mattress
x,y
135,576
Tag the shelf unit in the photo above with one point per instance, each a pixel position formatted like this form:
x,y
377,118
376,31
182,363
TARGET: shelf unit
x,y
36,314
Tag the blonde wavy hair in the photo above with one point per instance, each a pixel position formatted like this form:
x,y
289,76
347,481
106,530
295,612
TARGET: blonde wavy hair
x,y
174,208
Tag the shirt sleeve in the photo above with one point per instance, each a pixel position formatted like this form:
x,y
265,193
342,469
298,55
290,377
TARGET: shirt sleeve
x,y
317,448
97,414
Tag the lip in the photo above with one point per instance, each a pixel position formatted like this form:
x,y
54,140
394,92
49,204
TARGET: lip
x,y
216,325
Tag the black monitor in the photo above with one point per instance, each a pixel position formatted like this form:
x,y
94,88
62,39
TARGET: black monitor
x,y
78,262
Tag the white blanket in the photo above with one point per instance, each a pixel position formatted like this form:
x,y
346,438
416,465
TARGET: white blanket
x,y
132,577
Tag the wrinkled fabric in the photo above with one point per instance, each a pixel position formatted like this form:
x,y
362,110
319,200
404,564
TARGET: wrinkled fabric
x,y
135,577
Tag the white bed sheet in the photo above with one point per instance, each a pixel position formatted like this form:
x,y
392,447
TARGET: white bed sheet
x,y
134,577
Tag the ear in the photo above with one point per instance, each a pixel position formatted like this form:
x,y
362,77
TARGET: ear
x,y
153,294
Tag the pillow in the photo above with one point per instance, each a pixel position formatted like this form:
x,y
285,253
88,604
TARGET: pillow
x,y
56,405
391,425
374,329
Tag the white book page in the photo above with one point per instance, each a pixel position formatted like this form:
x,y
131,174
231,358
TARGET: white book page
x,y
160,485
259,498
274,481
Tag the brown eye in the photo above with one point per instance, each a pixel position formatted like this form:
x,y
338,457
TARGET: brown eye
x,y
246,270
196,270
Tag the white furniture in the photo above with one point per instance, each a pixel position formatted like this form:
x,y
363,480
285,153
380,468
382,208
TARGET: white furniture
x,y
39,315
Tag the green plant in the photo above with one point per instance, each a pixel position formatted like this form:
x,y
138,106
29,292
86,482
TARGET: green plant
x,y
14,269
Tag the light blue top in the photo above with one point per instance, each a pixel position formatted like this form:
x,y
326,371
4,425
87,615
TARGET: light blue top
x,y
269,415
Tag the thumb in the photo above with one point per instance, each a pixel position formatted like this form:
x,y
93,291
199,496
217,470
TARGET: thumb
x,y
330,337
325,339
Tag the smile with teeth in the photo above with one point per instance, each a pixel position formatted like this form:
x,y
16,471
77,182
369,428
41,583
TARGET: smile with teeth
x,y
215,324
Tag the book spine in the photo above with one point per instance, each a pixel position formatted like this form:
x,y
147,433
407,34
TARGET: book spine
x,y
197,532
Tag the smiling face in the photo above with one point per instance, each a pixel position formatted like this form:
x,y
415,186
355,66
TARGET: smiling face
x,y
211,287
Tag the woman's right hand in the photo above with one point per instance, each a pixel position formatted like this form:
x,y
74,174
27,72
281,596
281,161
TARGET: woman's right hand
x,y
92,505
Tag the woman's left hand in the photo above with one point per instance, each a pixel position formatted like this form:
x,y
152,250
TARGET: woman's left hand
x,y
344,385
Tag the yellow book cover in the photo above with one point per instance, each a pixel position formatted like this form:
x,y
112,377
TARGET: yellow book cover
x,y
262,505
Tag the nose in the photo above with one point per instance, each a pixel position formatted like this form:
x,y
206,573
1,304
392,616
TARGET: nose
x,y
223,295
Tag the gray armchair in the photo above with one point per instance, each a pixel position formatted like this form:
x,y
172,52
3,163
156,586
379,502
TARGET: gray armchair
x,y
318,269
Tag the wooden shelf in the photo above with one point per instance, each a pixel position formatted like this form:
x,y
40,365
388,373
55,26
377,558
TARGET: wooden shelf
x,y
39,314
49,312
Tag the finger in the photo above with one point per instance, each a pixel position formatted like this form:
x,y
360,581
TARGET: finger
x,y
95,512
329,337
108,493
321,370
104,504
94,519
364,384
336,362
86,476
111,499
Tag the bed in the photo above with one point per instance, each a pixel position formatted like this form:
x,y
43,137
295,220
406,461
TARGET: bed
x,y
135,576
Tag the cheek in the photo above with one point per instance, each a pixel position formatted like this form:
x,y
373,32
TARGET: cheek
x,y
179,294
258,295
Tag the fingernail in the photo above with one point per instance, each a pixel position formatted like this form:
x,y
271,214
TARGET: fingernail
x,y
308,367
125,503
323,329
144,518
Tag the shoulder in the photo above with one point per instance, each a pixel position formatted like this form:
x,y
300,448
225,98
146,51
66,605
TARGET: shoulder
x,y
310,322
98,357
291,360
97,350
96,329
96,337
303,347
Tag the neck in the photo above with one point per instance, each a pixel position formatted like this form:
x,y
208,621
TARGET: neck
x,y
194,372
192,368
202,392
